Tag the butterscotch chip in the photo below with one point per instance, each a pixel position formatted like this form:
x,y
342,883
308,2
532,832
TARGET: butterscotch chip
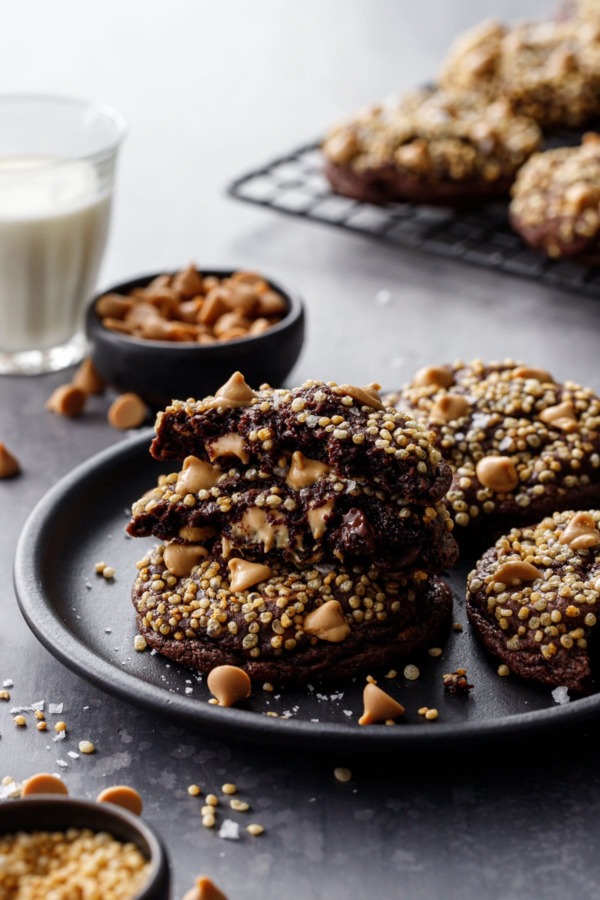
x,y
581,533
528,372
196,475
43,784
180,559
228,684
327,622
188,283
246,574
516,571
271,304
450,407
498,473
378,706
205,889
368,396
215,305
117,325
305,472
561,416
127,411
113,306
439,375
9,464
122,795
67,400
235,392
88,378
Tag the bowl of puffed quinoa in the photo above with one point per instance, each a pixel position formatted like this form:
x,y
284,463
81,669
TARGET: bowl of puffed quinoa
x,y
61,847
172,335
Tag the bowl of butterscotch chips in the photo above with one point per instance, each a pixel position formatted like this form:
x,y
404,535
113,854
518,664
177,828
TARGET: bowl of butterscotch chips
x,y
171,336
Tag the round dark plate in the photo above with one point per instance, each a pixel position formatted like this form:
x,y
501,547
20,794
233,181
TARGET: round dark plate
x,y
88,623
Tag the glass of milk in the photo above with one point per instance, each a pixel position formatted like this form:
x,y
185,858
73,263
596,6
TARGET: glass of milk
x,y
57,169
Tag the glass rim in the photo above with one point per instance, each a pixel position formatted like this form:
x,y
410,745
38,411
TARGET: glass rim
x,y
110,112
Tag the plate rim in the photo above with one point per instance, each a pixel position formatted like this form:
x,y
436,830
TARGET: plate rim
x,y
47,626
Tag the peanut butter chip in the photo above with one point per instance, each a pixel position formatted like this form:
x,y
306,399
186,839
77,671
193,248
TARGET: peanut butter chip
x,y
257,527
368,396
516,570
562,416
205,889
233,393
122,795
305,472
180,559
9,464
127,411
88,378
378,706
439,375
450,407
498,473
327,622
196,475
66,400
581,533
228,445
43,784
537,374
195,534
244,574
317,519
228,684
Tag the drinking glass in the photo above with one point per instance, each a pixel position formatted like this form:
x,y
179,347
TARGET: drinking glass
x,y
58,157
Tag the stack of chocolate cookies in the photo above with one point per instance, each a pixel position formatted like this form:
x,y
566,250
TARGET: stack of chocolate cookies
x,y
303,533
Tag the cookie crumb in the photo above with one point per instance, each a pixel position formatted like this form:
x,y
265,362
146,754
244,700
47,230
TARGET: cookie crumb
x,y
503,670
342,774
255,829
456,682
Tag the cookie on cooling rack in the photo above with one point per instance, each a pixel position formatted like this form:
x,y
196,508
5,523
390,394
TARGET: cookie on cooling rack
x,y
520,444
533,599
433,147
548,71
555,204
283,624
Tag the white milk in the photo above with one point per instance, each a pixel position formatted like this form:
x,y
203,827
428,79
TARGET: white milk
x,y
53,229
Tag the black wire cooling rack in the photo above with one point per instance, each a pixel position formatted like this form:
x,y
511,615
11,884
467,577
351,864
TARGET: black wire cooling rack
x,y
294,184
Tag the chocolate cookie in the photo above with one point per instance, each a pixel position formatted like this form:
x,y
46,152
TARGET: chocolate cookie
x,y
435,147
341,428
520,444
283,624
555,204
548,71
334,516
533,597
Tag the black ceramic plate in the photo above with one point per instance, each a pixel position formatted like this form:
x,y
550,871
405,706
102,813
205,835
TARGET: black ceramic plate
x,y
88,624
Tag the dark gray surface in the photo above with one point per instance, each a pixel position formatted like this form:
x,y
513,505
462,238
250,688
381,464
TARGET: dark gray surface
x,y
211,91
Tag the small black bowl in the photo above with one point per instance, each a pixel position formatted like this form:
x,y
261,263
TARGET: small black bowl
x,y
162,371
52,812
